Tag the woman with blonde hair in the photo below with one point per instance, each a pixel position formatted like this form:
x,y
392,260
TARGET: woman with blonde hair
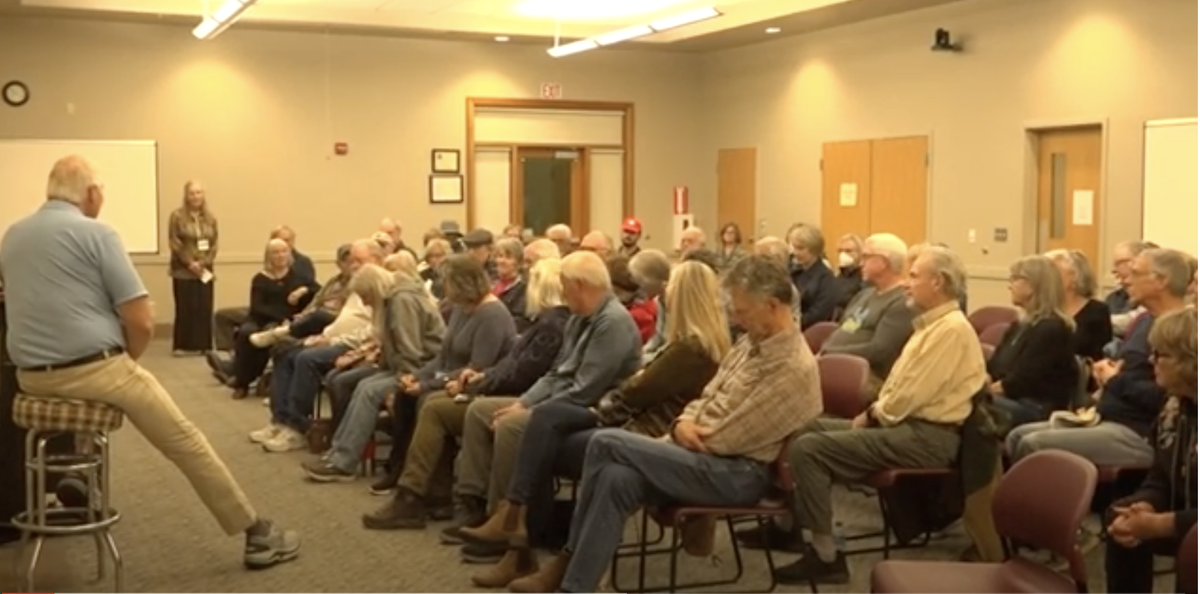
x,y
277,294
192,234
1093,321
558,432
1033,371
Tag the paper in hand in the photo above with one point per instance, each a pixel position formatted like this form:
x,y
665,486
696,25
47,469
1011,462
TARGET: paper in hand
x,y
207,277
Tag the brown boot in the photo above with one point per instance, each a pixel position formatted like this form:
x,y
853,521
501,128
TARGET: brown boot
x,y
698,535
505,526
547,579
516,563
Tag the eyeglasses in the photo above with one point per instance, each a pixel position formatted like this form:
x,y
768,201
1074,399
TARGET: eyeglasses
x,y
1157,355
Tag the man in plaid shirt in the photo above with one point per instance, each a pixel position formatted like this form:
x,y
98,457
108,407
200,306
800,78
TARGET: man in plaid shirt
x,y
721,447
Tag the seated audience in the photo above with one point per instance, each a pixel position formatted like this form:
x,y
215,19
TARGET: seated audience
x,y
479,245
601,348
721,447
1156,517
643,310
646,403
479,334
513,231
277,294
914,423
300,368
877,322
409,331
538,250
731,246
849,272
442,416
563,237
916,249
451,232
392,230
651,269
631,237
1033,370
1115,432
818,289
1120,303
1093,324
319,312
596,242
436,252
430,235
692,238
509,286
774,247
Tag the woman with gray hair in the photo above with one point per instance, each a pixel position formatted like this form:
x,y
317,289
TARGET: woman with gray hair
x,y
1093,322
818,288
509,257
277,294
1033,370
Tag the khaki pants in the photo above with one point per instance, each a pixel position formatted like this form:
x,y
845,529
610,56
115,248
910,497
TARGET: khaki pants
x,y
122,383
488,457
429,463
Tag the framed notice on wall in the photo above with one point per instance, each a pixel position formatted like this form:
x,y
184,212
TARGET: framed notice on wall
x,y
445,161
445,188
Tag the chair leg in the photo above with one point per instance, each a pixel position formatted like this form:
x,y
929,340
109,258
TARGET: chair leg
x,y
118,562
675,546
643,553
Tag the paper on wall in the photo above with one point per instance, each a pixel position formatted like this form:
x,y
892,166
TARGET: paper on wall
x,y
848,196
1081,207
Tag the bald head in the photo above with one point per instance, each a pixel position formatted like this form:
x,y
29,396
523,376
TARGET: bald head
x,y
692,239
596,242
74,179
365,251
391,228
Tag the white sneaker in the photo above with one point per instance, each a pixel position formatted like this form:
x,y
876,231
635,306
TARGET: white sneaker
x,y
288,440
263,338
266,433
266,401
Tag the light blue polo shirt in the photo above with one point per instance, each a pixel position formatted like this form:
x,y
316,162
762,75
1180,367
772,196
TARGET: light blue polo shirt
x,y
64,276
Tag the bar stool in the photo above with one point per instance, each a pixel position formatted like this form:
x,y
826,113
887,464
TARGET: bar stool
x,y
90,422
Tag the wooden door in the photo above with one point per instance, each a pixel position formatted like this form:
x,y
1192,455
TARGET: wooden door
x,y
899,188
549,186
737,194
1068,189
846,191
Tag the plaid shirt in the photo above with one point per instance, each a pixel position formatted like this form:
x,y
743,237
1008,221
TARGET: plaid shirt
x,y
762,393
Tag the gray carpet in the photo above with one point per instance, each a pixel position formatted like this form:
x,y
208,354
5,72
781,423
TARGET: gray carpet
x,y
171,544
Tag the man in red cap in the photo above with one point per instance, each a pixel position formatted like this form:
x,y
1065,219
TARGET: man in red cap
x,y
631,234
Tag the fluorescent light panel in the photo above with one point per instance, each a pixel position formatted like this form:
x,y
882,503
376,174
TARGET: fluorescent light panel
x,y
628,33
221,19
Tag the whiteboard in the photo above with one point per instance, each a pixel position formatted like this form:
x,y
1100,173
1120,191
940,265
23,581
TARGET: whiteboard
x,y
1169,195
128,170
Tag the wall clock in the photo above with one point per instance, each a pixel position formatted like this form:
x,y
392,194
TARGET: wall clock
x,y
15,93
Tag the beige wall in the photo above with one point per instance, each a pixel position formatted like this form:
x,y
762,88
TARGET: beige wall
x,y
1028,63
254,114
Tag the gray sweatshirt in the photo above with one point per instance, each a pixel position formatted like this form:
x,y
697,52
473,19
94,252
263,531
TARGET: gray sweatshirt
x,y
412,328
875,326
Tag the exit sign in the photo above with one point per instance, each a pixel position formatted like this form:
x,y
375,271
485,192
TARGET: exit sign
x,y
551,91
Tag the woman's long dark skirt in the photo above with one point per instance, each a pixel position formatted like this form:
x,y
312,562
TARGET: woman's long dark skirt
x,y
193,314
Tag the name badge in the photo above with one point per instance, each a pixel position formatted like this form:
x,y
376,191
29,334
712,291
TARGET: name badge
x,y
202,245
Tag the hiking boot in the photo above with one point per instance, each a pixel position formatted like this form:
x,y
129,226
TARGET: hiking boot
x,y
469,511
325,472
406,511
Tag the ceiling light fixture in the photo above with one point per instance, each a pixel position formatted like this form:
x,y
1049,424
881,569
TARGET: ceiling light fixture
x,y
224,16
613,37
773,30
501,38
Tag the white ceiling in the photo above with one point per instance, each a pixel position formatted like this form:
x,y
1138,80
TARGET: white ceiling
x,y
743,21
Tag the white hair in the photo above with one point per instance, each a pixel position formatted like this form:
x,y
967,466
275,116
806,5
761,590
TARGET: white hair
x,y
889,246
946,264
559,231
401,261
70,179
587,268
542,249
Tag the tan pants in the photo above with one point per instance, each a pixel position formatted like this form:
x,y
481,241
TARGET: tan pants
x,y
122,383
488,457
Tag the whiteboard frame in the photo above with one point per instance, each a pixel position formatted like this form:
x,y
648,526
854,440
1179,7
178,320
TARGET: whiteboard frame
x,y
1163,123
157,178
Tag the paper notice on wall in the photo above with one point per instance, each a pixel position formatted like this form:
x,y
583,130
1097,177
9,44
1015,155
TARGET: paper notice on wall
x,y
1081,207
848,195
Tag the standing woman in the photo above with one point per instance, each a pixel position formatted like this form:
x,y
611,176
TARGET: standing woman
x,y
193,238
731,246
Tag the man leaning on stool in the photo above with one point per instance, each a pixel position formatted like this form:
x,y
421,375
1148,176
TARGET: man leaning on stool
x,y
78,320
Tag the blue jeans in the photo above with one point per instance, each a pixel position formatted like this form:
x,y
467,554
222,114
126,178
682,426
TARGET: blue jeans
x,y
1022,412
297,382
361,417
546,432
342,383
624,472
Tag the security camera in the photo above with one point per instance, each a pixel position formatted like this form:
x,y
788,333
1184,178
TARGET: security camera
x,y
943,43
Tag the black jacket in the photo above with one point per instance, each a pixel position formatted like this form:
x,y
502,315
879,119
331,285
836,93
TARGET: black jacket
x,y
1132,398
819,292
513,298
1036,362
529,359
1171,482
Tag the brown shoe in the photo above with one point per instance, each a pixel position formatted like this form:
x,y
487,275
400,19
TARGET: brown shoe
x,y
698,535
516,564
548,578
505,526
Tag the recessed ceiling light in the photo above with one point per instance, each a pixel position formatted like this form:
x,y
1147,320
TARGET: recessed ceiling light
x,y
501,38
773,30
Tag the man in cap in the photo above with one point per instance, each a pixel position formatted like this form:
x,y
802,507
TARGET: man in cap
x,y
478,244
631,236
453,234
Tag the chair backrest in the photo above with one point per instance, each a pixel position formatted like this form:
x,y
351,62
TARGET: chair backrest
x,y
987,316
988,350
817,333
1041,502
782,478
994,334
1185,563
843,382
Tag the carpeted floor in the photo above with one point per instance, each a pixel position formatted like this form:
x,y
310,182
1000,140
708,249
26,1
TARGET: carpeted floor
x,y
171,544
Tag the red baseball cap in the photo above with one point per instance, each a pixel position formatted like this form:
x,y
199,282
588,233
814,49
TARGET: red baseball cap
x,y
631,225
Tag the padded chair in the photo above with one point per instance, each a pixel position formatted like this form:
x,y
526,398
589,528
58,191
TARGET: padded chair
x,y
985,317
994,334
1040,502
843,380
1185,563
774,504
988,350
816,334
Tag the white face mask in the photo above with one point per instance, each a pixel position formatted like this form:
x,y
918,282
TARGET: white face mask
x,y
845,259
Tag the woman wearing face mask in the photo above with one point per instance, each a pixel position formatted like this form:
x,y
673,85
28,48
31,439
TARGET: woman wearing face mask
x,y
193,235
849,251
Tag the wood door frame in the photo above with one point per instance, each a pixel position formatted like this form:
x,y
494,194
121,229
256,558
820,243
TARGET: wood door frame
x,y
627,141
931,161
581,183
1030,132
